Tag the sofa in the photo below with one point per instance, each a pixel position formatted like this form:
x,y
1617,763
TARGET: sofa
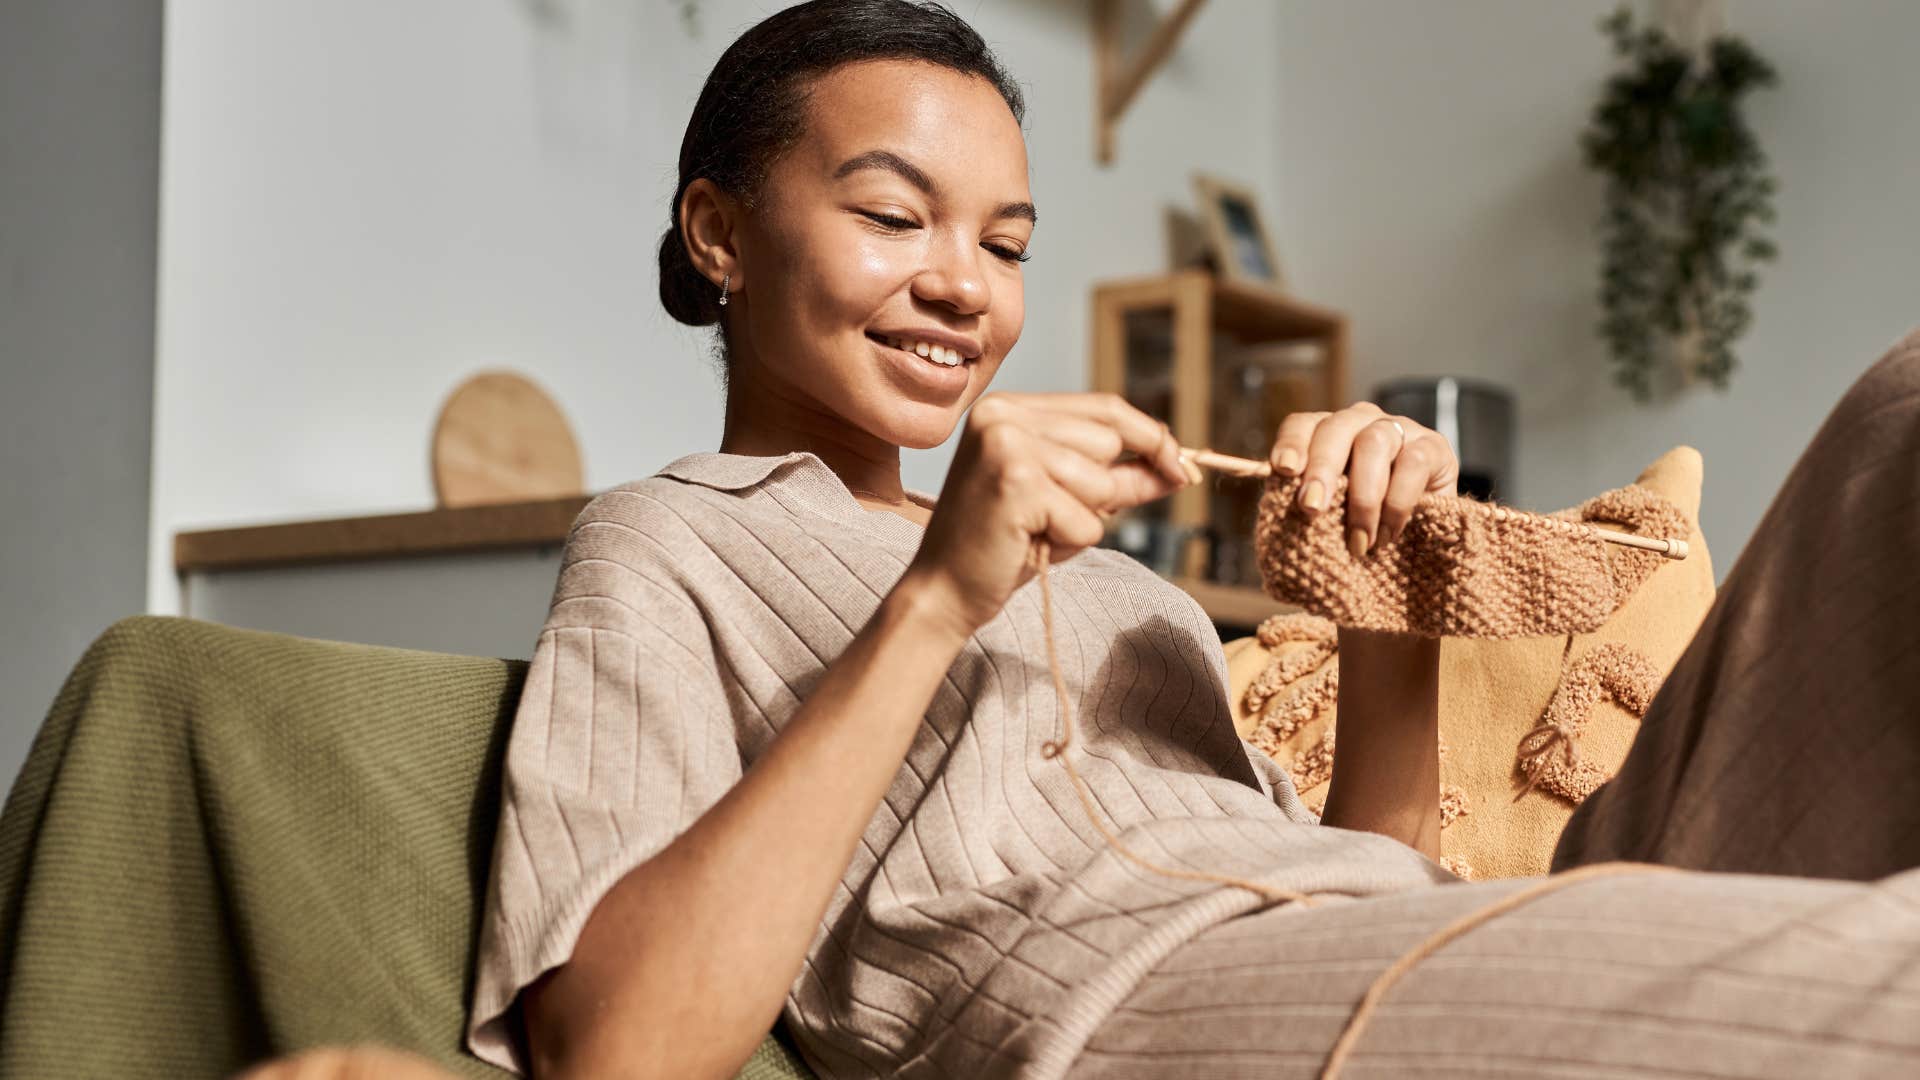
x,y
227,845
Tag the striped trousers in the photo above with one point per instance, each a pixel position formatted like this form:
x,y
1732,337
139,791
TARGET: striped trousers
x,y
1779,766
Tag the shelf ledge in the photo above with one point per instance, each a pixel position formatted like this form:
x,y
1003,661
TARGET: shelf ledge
x,y
447,530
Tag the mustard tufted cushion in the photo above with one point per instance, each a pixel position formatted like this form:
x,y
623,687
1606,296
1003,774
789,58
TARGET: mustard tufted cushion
x,y
1508,708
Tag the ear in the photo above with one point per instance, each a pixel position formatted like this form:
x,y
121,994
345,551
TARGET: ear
x,y
709,220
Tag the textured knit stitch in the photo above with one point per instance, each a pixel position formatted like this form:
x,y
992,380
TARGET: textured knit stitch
x,y
1461,567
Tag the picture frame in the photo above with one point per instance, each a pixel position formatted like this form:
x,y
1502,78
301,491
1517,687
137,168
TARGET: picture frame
x,y
1241,248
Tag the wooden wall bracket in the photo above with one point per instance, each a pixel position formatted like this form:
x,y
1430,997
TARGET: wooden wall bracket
x,y
1117,81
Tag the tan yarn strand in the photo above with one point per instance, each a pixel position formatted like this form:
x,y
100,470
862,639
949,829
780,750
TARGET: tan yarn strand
x,y
1057,748
1356,1023
1439,939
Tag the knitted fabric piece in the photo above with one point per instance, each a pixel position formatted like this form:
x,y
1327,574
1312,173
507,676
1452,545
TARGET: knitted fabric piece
x,y
1462,567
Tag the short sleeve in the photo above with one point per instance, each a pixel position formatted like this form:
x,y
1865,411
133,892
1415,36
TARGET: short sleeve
x,y
621,740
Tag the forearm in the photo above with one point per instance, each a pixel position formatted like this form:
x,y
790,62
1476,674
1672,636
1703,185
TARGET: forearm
x,y
1386,755
683,965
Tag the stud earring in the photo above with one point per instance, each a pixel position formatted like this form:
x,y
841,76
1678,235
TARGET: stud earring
x,y
725,280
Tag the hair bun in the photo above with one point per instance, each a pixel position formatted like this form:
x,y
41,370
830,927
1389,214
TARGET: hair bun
x,y
686,294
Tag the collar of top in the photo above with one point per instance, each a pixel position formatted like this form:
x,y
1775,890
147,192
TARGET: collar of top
x,y
731,472
799,479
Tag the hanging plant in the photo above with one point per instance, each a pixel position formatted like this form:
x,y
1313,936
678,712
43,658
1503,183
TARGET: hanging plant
x,y
689,15
1686,191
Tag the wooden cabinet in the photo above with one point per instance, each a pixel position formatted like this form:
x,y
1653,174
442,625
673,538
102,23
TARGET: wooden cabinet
x,y
1158,341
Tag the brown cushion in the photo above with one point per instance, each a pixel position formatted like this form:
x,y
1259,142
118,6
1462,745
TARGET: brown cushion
x,y
1495,693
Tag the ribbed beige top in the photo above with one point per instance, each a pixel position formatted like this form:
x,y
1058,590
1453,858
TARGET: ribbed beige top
x,y
981,927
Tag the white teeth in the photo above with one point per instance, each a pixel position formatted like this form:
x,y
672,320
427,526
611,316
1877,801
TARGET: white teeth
x,y
939,354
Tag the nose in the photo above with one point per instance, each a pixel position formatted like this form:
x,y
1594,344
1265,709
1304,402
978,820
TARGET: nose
x,y
953,277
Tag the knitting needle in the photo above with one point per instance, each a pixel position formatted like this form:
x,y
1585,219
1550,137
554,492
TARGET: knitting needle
x,y
1238,466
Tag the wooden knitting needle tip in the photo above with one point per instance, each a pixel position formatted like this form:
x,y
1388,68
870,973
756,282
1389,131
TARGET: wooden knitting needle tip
x,y
1672,548
1226,463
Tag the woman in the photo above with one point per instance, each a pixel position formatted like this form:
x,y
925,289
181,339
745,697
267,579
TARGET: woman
x,y
779,752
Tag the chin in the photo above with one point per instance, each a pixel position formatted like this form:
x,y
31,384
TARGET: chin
x,y
922,436
915,426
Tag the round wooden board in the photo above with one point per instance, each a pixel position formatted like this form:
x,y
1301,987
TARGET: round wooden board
x,y
500,438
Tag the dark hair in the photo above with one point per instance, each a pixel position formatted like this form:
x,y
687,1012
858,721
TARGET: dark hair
x,y
752,108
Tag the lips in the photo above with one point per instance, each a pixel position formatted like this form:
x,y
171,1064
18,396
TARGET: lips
x,y
937,352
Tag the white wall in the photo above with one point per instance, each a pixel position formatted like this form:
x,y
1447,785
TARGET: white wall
x,y
1427,178
364,201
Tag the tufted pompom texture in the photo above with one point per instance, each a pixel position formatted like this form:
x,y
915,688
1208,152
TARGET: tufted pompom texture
x,y
1462,567
1549,755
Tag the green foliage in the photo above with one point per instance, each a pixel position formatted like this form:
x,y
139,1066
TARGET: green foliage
x,y
1686,193
689,15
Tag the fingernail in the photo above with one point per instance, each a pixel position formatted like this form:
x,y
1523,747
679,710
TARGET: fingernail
x,y
1289,461
1357,542
1315,497
1192,471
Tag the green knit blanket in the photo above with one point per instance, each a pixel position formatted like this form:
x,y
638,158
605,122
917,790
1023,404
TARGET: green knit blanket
x,y
228,844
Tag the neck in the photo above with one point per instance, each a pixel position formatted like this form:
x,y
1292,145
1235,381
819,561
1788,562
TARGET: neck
x,y
764,420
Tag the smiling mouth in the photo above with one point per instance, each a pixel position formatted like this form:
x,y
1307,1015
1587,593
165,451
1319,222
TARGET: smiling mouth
x,y
933,354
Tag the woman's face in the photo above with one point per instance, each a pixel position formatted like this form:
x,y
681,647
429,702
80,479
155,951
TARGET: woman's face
x,y
893,227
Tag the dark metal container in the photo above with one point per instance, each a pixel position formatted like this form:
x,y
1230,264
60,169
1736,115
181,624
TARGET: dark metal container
x,y
1475,416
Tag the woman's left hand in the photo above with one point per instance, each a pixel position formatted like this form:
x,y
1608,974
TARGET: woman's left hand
x,y
1390,462
1386,766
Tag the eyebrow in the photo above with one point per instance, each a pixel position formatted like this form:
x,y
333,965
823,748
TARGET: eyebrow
x,y
912,174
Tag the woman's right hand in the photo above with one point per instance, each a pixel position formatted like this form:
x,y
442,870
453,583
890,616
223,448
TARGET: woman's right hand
x,y
1033,467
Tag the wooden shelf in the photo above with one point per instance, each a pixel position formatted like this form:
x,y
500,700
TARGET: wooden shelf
x,y
1236,605
430,532
1118,81
1200,304
506,526
1251,313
